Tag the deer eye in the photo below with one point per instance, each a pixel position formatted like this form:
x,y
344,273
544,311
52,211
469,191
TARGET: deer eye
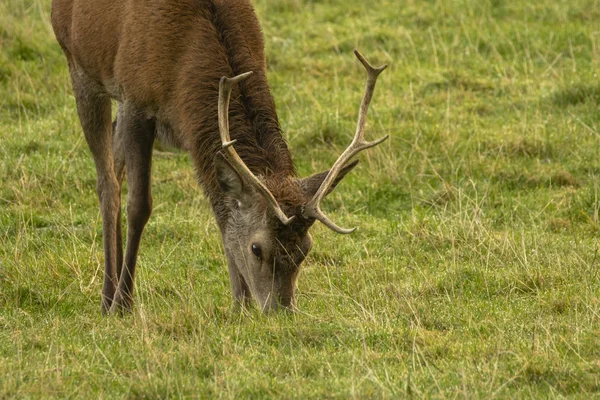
x,y
256,250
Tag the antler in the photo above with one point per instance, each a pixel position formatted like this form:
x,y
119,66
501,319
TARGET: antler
x,y
225,85
312,209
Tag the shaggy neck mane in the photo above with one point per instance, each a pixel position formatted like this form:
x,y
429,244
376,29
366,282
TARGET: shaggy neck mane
x,y
226,51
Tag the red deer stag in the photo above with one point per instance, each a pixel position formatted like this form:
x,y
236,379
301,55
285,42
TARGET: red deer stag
x,y
165,62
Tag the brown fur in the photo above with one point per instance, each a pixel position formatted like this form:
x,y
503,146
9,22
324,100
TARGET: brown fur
x,y
161,60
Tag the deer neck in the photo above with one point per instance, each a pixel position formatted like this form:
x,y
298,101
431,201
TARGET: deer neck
x,y
259,143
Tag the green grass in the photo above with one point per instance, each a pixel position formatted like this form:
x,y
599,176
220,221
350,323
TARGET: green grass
x,y
475,271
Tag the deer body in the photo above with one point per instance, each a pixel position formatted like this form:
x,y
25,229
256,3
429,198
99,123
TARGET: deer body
x,y
163,61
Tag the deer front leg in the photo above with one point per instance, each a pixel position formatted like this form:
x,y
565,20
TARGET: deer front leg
x,y
119,163
135,137
94,112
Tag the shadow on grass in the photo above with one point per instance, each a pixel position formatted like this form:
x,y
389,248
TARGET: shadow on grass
x,y
576,94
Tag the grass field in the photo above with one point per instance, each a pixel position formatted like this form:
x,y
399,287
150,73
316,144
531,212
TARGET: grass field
x,y
475,270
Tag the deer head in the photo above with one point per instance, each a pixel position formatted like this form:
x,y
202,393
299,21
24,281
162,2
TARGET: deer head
x,y
266,236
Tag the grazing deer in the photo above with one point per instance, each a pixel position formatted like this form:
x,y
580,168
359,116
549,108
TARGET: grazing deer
x,y
165,62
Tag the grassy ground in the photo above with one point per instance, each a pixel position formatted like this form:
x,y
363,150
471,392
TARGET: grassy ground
x,y
475,270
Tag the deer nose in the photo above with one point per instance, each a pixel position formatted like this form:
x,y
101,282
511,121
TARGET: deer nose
x,y
285,301
278,303
270,305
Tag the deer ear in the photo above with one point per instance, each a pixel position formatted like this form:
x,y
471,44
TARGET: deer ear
x,y
230,182
311,184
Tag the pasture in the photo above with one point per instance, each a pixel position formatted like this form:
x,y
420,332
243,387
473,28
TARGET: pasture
x,y
475,269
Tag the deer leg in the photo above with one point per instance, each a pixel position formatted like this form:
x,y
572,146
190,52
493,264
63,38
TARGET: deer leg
x,y
135,135
94,112
119,165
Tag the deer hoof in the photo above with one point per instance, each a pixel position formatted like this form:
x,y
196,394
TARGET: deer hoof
x,y
105,306
121,305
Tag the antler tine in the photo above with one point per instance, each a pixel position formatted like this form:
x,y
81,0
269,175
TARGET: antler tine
x,y
225,85
313,208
